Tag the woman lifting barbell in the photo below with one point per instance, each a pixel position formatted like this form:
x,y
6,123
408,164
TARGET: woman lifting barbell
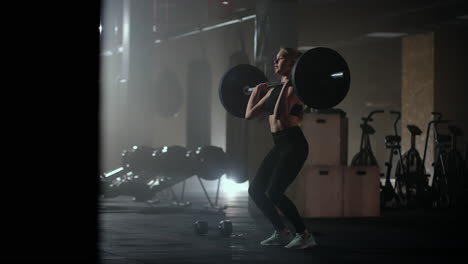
x,y
283,163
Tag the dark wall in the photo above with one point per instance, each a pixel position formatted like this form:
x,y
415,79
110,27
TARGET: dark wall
x,y
451,78
375,67
199,87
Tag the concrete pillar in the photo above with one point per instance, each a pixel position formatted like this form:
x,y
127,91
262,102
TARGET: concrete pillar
x,y
141,90
434,79
417,92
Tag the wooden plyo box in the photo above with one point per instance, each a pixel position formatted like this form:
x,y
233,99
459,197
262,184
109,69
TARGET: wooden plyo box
x,y
361,192
317,191
296,191
327,135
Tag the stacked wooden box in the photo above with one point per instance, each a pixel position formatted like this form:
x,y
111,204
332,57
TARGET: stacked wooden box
x,y
326,186
361,191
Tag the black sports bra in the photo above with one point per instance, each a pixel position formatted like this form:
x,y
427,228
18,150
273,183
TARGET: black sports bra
x,y
297,110
271,102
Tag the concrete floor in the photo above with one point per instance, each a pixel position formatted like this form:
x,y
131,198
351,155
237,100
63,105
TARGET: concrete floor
x,y
132,232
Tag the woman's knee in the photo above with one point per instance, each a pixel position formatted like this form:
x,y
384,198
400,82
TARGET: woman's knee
x,y
254,191
274,196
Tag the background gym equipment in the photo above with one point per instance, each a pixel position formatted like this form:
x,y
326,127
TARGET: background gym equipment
x,y
172,161
365,156
321,77
135,162
439,190
209,163
465,181
174,164
449,171
146,171
388,197
449,168
411,181
138,158
456,169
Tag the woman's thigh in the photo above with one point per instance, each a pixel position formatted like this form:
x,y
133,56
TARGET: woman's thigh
x,y
287,168
266,170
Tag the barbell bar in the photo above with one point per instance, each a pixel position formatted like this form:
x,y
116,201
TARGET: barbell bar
x,y
248,90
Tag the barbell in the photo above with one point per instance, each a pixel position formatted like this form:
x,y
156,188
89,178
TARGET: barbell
x,y
321,77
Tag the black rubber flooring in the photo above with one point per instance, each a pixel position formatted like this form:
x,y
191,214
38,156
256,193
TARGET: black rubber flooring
x,y
132,232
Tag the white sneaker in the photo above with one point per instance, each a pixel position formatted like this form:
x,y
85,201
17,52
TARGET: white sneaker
x,y
301,241
277,239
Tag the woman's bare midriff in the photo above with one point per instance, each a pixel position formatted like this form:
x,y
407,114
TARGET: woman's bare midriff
x,y
276,125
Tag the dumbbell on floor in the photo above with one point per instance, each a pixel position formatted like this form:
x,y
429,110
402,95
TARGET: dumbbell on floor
x,y
224,228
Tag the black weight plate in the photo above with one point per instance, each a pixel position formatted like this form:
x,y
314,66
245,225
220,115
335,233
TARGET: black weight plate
x,y
231,89
321,77
209,162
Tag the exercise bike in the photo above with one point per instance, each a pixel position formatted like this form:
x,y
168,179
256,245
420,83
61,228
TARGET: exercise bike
x,y
411,180
456,169
388,197
439,186
365,156
449,169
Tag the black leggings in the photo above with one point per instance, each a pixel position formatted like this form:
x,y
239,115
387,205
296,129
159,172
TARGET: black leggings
x,y
276,172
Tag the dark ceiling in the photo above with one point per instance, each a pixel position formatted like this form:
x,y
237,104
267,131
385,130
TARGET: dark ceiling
x,y
321,22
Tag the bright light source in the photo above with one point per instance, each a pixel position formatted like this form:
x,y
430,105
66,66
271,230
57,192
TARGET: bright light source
x,y
222,24
186,34
386,34
305,48
107,53
208,28
231,188
225,2
337,75
113,172
100,28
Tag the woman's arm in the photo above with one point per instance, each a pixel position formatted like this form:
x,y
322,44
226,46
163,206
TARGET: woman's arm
x,y
255,104
283,105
